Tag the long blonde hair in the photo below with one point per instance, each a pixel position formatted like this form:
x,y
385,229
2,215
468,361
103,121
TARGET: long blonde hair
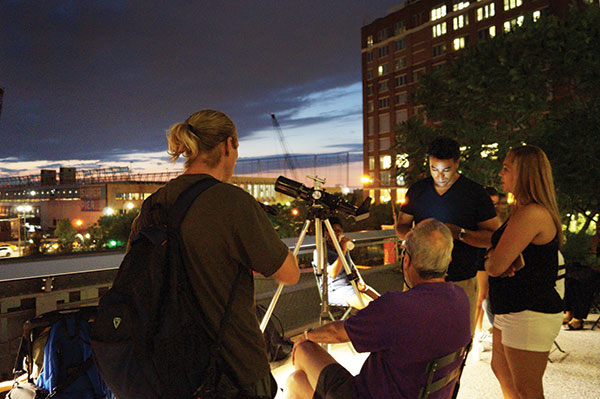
x,y
534,183
200,135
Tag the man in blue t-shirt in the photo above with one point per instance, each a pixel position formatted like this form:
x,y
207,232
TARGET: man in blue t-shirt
x,y
463,205
402,330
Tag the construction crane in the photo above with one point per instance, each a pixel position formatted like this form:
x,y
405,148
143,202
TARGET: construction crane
x,y
288,161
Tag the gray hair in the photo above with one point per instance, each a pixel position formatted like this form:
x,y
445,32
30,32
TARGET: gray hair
x,y
430,245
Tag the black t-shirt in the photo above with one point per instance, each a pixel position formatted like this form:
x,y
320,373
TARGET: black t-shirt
x,y
464,204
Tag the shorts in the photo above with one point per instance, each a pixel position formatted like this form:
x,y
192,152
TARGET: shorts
x,y
335,382
529,330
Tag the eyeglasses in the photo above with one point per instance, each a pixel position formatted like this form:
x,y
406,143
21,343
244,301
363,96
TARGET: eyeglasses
x,y
402,254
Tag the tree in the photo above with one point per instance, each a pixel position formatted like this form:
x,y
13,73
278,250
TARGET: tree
x,y
65,232
538,84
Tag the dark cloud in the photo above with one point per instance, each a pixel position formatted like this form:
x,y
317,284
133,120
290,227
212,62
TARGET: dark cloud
x,y
85,79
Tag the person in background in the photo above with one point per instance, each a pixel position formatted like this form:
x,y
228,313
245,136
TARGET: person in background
x,y
459,202
340,290
523,267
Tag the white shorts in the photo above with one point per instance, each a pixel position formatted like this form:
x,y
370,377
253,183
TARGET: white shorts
x,y
529,330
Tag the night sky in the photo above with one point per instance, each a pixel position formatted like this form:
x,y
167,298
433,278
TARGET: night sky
x,y
97,83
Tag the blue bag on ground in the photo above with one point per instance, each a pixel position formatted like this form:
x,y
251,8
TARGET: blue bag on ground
x,y
68,365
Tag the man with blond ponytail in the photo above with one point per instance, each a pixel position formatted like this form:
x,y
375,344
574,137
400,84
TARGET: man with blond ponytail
x,y
226,231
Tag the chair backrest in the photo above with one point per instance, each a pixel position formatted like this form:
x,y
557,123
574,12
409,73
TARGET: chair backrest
x,y
436,383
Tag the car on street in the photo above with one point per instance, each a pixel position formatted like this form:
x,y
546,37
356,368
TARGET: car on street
x,y
6,251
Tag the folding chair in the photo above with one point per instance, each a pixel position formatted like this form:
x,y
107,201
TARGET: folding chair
x,y
451,378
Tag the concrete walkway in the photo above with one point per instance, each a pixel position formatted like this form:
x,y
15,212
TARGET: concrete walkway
x,y
573,374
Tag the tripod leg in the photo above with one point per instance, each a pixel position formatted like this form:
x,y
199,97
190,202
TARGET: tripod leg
x,y
341,256
269,312
322,271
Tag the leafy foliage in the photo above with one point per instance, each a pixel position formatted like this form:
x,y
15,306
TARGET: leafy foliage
x,y
65,232
538,84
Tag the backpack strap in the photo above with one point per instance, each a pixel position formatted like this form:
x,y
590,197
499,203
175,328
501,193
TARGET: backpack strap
x,y
185,200
73,376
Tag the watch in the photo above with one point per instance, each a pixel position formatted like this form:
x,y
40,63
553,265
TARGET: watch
x,y
462,234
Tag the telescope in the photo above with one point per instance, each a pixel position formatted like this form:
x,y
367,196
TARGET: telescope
x,y
321,197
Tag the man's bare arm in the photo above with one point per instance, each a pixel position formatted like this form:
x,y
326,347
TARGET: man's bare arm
x,y
330,333
404,224
288,273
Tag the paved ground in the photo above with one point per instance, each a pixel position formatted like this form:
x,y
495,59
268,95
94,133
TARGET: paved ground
x,y
573,374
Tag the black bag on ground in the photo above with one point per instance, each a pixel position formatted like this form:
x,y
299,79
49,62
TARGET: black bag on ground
x,y
149,340
278,347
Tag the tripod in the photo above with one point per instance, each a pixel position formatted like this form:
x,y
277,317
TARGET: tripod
x,y
320,215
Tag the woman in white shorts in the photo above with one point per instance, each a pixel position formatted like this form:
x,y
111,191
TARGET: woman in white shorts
x,y
523,265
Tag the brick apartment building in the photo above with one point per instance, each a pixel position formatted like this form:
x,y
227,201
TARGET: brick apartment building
x,y
415,37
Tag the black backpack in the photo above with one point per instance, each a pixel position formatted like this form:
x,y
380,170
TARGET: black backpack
x,y
149,339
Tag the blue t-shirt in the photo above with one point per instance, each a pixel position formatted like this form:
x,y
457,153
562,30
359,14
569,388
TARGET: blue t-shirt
x,y
404,331
465,204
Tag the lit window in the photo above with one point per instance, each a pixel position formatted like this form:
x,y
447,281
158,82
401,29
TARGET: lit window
x,y
459,42
509,25
383,69
536,15
385,161
459,5
460,21
439,29
371,163
370,41
510,4
486,11
438,12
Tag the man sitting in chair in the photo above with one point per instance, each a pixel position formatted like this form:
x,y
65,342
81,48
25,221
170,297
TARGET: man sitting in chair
x,y
402,330
340,291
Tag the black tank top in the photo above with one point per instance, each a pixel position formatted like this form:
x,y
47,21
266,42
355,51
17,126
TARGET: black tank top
x,y
532,287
